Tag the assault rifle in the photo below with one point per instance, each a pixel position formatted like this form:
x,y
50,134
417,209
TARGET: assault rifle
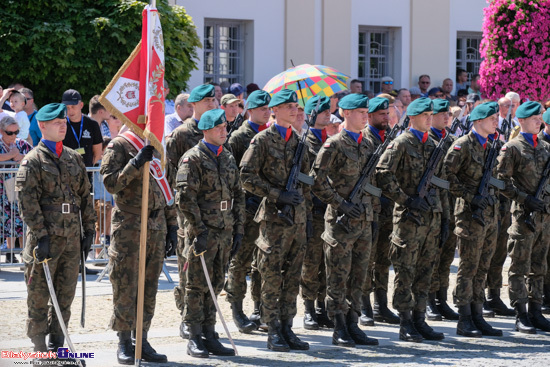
x,y
231,127
506,127
542,190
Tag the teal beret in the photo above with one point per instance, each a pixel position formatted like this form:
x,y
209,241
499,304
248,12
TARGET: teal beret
x,y
258,98
420,105
483,111
528,109
201,92
353,101
311,104
546,117
378,103
211,119
283,96
441,105
52,111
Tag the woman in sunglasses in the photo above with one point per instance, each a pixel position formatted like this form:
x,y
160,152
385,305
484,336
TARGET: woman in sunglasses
x,y
11,149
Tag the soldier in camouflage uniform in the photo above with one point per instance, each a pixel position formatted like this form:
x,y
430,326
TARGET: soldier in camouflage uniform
x,y
336,170
211,198
545,135
520,165
379,267
414,246
265,168
182,139
476,219
241,263
437,306
122,170
313,278
54,191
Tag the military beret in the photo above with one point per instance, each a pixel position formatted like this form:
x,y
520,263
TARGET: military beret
x,y
258,98
441,105
378,103
211,119
353,101
419,106
52,111
324,104
528,109
483,111
283,96
201,92
546,117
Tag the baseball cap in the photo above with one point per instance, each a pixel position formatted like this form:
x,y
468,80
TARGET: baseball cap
x,y
71,97
236,89
414,91
228,98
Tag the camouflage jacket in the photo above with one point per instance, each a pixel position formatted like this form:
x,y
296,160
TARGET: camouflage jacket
x,y
240,140
386,205
209,192
520,166
265,168
179,141
542,136
44,179
401,168
447,199
336,171
314,145
125,182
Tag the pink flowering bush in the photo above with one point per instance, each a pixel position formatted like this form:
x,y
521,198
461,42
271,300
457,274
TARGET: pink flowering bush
x,y
516,49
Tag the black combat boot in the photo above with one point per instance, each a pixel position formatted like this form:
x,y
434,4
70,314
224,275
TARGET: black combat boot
x,y
195,346
55,341
546,300
39,342
275,340
292,339
432,312
465,325
367,316
341,336
184,330
241,321
212,344
381,311
495,302
523,322
487,310
255,317
126,352
536,317
358,335
419,321
407,331
310,317
322,318
148,353
443,307
481,324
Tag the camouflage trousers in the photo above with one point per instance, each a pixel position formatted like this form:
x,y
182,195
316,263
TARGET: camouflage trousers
x,y
494,276
443,261
378,274
476,246
347,258
255,278
64,266
314,280
413,253
179,290
199,305
280,255
528,251
124,259
241,263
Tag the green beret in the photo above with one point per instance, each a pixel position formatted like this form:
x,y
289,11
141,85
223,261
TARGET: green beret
x,y
420,105
258,98
378,103
441,105
211,119
353,101
311,104
546,117
528,109
483,111
52,111
283,96
201,92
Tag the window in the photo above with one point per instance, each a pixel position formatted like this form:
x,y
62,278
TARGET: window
x,y
467,52
375,57
224,52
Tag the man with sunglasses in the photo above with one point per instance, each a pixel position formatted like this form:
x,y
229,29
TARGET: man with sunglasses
x,y
387,84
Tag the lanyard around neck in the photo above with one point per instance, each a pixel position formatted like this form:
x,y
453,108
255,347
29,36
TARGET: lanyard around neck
x,y
79,136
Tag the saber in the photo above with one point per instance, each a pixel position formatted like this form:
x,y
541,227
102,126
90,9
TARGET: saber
x,y
216,303
83,270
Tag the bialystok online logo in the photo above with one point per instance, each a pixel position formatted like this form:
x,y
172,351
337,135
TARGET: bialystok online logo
x,y
62,353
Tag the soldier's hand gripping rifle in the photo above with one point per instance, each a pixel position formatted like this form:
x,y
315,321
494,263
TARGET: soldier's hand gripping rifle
x,y
232,127
486,181
542,190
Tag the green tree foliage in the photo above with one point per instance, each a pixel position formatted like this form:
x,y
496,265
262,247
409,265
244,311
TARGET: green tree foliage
x,y
53,45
